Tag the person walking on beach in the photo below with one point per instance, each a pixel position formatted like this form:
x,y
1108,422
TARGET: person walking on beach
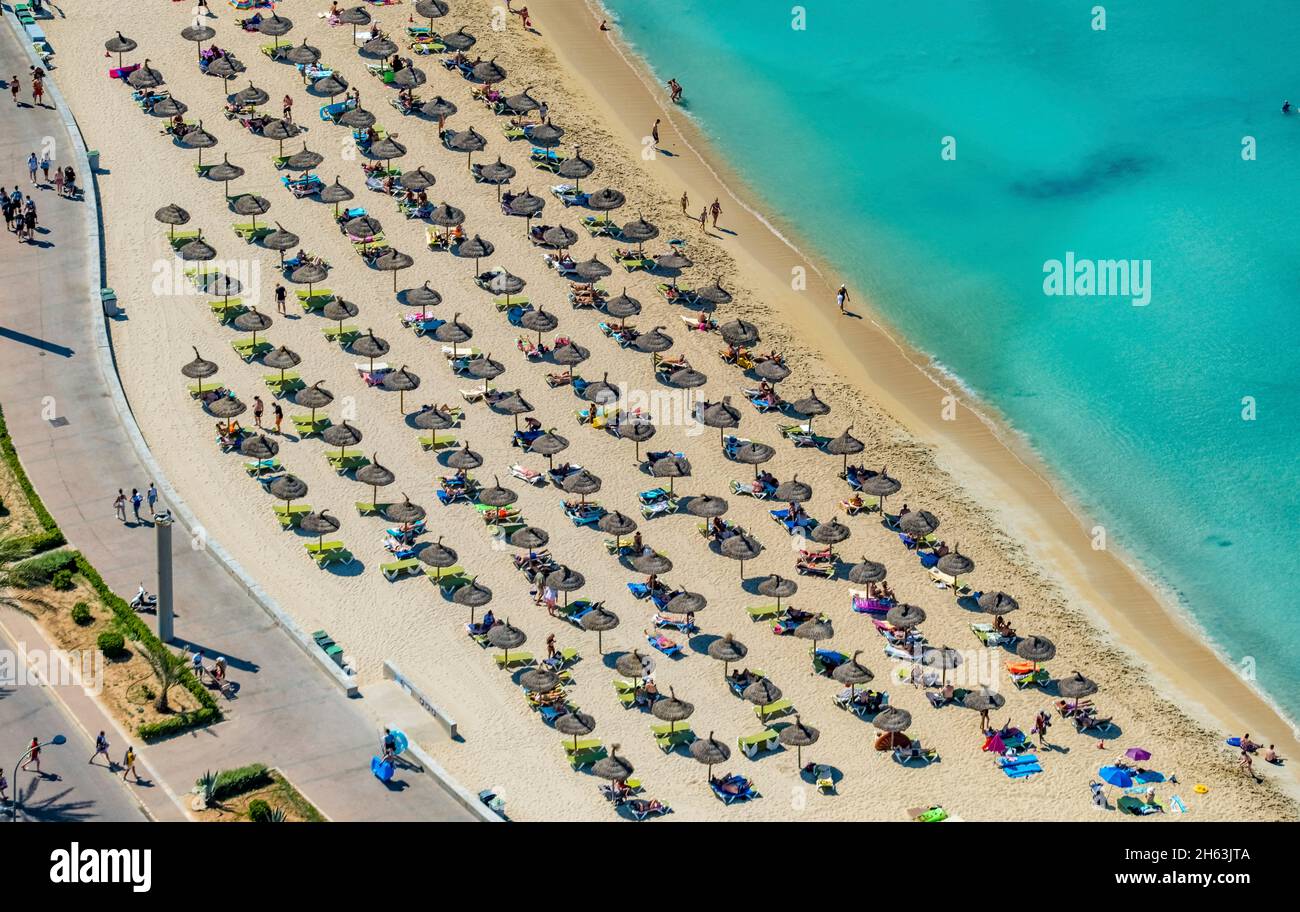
x,y
101,747
685,202
1246,762
31,167
704,219
119,505
715,210
279,298
842,297
654,132
1042,722
33,756
286,108
258,409
152,496
128,764
279,415
136,499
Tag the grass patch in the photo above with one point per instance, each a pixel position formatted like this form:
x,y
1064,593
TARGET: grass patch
x,y
271,787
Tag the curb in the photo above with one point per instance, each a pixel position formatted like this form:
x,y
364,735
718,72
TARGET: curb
x,y
113,383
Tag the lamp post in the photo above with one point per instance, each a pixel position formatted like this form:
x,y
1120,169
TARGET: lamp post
x,y
163,527
18,794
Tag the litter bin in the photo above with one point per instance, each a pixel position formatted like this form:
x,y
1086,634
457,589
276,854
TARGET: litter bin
x,y
93,157
108,297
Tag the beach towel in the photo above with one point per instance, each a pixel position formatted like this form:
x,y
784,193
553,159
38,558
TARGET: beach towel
x,y
1178,804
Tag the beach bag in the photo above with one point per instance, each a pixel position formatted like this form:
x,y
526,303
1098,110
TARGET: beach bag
x,y
382,769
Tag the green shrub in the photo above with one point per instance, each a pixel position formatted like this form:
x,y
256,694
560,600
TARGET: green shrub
x,y
62,580
175,724
42,569
243,779
259,811
81,614
111,643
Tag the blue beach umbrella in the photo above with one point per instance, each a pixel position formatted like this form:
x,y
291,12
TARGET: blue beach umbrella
x,y
1116,776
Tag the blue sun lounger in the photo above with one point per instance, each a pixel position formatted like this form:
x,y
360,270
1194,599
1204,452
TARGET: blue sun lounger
x,y
745,793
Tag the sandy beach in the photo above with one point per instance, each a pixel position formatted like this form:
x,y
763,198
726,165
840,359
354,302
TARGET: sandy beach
x,y
1167,691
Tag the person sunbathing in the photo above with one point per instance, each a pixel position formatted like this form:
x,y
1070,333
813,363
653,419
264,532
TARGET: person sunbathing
x,y
647,806
742,678
730,785
251,23
1001,626
719,530
702,324
647,693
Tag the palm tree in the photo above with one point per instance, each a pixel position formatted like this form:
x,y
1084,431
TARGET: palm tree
x,y
167,668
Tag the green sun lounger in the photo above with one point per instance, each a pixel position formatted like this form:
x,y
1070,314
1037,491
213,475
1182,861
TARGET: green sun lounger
x,y
323,547
586,758
503,303
346,461
252,233
667,740
225,311
281,385
262,466
514,660
181,238
438,441
343,336
248,349
306,427
440,576
753,745
409,566
330,558
626,692
449,584
371,509
773,710
763,612
586,744
290,516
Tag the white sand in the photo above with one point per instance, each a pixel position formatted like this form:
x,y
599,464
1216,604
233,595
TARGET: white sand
x,y
506,745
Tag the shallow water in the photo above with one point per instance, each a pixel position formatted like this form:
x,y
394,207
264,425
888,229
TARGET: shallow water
x,y
1117,144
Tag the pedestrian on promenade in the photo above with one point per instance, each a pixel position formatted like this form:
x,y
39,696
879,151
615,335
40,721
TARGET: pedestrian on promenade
x,y
101,747
31,167
128,764
196,664
152,495
70,181
279,415
45,166
13,90
136,499
119,505
33,756
258,409
29,219
8,208
58,181
4,787
38,91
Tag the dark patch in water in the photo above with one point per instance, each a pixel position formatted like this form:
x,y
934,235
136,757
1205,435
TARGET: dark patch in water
x,y
1097,174
1219,540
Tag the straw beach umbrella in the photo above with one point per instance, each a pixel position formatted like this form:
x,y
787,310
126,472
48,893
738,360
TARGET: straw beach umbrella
x,y
1076,687
639,231
761,693
340,310
738,332
282,359
1036,649
303,160
521,103
497,496
313,397
755,454
199,369
513,404
467,141
197,250
403,381
335,193
741,547
251,205
672,710
439,108
581,482
280,130
370,346
687,603
321,524
119,44
430,419
638,432
251,95
617,525
529,537
405,512
687,379
672,468
918,523
439,557
845,445
771,371
955,564
942,658
486,369
197,138
288,488
539,680
358,118
559,237
168,107
721,415
810,407
634,665
474,595
565,579
651,564
777,587
621,306
602,392
378,48
172,215
275,26
815,630
431,10
459,40
387,148
591,270
866,571
575,723
830,533
225,69
393,261
997,603
422,297
614,768
476,248
546,135
793,491
549,445
727,650
575,168
332,85
893,720
882,486
226,407
799,736
506,637
417,179
599,619
303,55
853,673
709,751
252,322
905,617
653,342
497,172
464,458
409,77
488,72
342,436
280,240
376,476
146,77
569,354
453,332
706,506
355,16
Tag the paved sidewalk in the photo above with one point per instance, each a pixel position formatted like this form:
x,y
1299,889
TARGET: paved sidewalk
x,y
287,713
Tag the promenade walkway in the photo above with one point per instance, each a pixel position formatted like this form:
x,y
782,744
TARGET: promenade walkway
x,y
78,442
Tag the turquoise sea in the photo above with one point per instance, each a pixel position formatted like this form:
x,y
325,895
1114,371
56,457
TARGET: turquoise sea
x,y
1123,143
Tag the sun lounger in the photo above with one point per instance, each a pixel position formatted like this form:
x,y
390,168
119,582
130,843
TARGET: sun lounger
x,y
263,466
583,759
346,461
773,710
248,350
397,569
307,427
753,745
764,612
746,489
914,754
280,386
668,740
515,660
438,441
290,516
343,335
664,645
